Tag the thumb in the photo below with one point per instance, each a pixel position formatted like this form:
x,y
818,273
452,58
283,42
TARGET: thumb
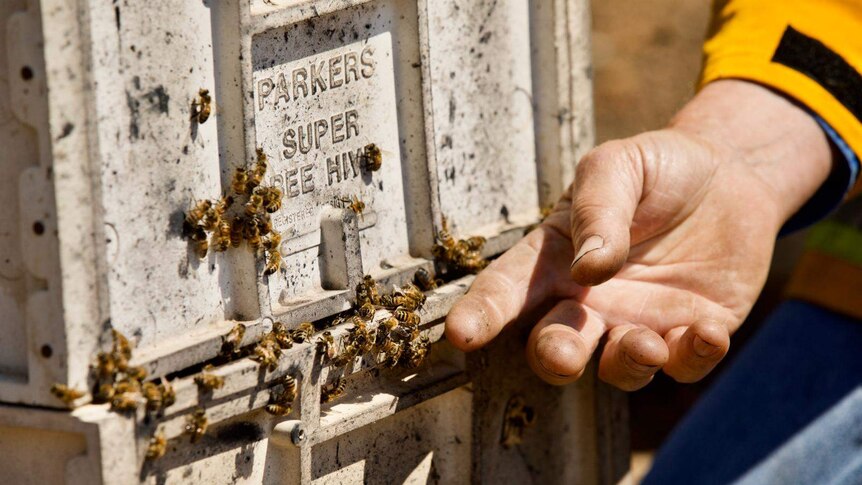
x,y
608,186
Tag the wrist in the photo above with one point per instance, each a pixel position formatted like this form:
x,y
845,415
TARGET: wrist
x,y
782,143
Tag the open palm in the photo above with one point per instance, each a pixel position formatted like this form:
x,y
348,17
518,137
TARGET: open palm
x,y
674,236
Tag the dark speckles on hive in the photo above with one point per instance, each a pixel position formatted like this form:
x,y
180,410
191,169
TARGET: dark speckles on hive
x,y
134,132
485,38
447,142
450,174
159,99
67,130
175,223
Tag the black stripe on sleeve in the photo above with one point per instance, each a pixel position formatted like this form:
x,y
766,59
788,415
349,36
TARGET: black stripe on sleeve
x,y
812,58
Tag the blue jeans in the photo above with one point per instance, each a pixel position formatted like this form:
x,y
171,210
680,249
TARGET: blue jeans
x,y
800,366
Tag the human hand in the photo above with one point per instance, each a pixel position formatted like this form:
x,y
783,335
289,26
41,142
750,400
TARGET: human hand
x,y
662,244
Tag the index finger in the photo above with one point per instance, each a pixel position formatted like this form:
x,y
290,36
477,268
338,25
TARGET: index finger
x,y
517,281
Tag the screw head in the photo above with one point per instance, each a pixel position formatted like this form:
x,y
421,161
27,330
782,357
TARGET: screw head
x,y
297,435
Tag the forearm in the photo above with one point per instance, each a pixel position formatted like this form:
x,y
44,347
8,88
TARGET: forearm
x,y
782,142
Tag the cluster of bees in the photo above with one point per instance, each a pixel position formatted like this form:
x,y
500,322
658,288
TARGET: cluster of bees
x,y
121,384
210,226
396,341
458,256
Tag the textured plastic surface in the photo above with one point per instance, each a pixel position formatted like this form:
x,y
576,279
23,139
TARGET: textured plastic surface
x,y
479,108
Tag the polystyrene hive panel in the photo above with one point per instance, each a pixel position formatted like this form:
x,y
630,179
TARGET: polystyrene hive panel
x,y
468,104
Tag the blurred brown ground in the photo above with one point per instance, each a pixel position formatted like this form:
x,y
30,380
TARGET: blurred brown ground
x,y
646,58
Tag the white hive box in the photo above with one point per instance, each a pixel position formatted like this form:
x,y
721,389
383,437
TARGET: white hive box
x,y
480,108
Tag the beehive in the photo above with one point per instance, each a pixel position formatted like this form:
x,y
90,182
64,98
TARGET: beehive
x,y
479,109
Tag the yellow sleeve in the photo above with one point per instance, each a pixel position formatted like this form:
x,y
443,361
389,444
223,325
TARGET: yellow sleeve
x,y
811,50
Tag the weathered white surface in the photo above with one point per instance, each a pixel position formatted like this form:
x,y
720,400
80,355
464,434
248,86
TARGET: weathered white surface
x,y
480,109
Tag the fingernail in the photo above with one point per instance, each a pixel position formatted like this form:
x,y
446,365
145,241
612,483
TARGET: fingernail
x,y
703,348
590,244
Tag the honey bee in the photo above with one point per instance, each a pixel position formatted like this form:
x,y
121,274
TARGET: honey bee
x,y
106,366
425,280
232,340
303,332
207,382
412,292
272,241
220,208
153,395
366,311
136,373
254,205
221,239
366,291
281,335
326,345
122,347
406,334
278,409
471,263
266,353
475,243
104,393
196,216
444,237
240,181
359,336
281,402
264,224
384,329
357,206
415,352
406,316
273,262
290,389
237,226
127,386
202,106
257,174
158,396
169,396
271,199
333,391
201,248
349,351
158,446
397,300
372,157
391,352
254,239
125,401
196,424
65,393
